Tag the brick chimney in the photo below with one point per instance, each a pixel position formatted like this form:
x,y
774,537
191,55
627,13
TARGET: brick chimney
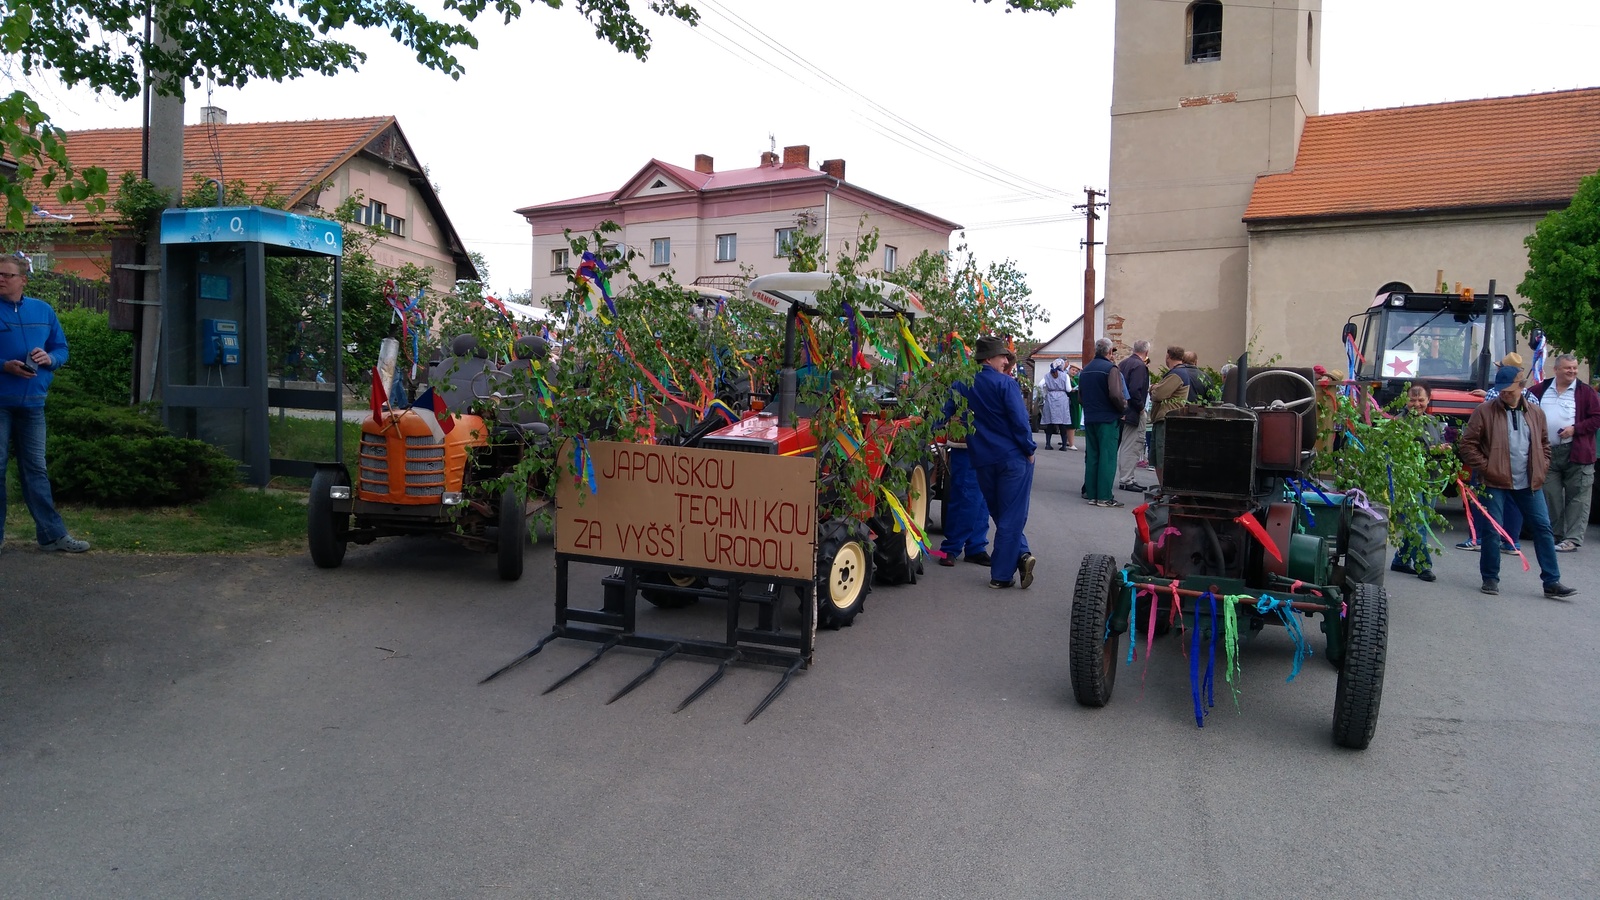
x,y
768,158
834,167
702,164
213,115
798,155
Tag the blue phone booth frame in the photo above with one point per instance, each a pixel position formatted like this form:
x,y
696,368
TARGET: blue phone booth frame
x,y
214,275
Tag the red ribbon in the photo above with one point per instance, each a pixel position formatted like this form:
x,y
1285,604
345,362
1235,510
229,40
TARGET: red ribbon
x,y
1260,534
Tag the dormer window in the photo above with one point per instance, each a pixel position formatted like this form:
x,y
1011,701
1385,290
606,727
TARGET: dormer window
x,y
1205,31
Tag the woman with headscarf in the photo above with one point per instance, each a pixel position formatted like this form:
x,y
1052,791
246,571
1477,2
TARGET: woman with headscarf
x,y
1056,412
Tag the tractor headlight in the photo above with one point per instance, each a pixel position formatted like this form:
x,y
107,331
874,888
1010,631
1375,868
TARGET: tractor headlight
x,y
1397,299
453,498
339,492
1499,304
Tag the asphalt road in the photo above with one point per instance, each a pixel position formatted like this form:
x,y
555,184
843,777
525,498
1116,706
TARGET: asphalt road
x,y
249,726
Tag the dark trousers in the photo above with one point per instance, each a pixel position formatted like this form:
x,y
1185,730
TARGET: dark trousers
x,y
1100,467
1007,488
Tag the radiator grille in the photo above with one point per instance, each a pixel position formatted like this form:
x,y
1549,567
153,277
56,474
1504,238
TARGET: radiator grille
x,y
1207,455
422,465
740,445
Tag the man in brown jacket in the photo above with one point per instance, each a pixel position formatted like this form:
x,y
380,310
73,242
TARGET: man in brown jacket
x,y
1506,441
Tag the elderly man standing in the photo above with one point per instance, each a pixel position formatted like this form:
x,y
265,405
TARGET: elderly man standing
x,y
1136,376
1101,392
1002,448
1572,416
1506,439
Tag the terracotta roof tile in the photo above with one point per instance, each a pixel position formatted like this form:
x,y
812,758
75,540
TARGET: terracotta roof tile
x,y
698,181
291,156
1505,151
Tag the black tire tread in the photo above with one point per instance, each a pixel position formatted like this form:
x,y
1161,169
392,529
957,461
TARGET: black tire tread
x,y
511,536
1366,552
1092,680
1360,690
324,533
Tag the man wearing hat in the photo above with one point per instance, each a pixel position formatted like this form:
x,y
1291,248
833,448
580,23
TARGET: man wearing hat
x,y
1001,448
1506,440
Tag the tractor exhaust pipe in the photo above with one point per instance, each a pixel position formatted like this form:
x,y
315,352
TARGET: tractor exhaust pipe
x,y
1242,375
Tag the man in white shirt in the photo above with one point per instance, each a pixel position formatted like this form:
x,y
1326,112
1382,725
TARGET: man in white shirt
x,y
1572,413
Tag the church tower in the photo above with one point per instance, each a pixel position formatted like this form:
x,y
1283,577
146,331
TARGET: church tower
x,y
1205,96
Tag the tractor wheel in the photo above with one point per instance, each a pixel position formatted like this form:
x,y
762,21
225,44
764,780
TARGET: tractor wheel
x,y
326,529
513,535
1365,541
844,573
896,555
1355,703
669,599
1093,652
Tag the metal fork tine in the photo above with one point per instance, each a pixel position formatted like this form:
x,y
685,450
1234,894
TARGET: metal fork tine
x,y
715,677
586,664
773,694
668,653
521,659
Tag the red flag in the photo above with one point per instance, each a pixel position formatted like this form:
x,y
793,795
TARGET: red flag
x,y
379,396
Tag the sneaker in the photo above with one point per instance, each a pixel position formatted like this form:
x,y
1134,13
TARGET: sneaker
x,y
1025,566
1426,575
1510,549
1566,547
1065,449
1468,545
1072,446
947,560
981,558
1001,585
65,544
1095,502
1402,568
1558,591
1490,586
1112,504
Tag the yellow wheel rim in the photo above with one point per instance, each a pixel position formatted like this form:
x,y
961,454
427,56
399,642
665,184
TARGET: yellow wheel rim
x,y
917,509
846,575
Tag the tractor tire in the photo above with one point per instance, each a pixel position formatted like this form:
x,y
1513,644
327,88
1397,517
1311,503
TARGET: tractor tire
x,y
664,599
1355,703
1092,654
326,529
844,573
896,555
1365,543
512,540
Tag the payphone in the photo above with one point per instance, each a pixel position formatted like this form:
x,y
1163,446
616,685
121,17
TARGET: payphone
x,y
219,342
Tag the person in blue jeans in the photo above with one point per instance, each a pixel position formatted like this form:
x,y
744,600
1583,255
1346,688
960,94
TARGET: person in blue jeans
x,y
1506,439
1002,448
1511,519
966,517
32,346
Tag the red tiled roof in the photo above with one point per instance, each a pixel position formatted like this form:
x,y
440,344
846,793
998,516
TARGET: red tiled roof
x,y
292,157
1500,152
695,181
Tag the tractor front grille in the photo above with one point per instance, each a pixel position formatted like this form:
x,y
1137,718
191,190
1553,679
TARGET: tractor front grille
x,y
1210,452
422,465
740,445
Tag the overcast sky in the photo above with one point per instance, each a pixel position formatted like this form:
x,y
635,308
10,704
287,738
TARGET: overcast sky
x,y
994,120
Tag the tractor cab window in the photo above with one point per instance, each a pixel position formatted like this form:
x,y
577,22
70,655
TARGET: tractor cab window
x,y
1432,345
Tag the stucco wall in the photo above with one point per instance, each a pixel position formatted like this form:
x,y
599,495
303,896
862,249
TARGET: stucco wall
x,y
1306,281
423,243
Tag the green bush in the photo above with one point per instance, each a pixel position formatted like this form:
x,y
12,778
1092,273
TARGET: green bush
x,y
99,361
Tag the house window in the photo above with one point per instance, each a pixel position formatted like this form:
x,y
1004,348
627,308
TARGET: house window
x,y
891,258
559,261
377,215
1205,31
727,247
661,251
783,242
1308,37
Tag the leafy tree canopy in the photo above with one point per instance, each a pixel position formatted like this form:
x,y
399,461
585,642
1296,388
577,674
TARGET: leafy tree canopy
x,y
1563,280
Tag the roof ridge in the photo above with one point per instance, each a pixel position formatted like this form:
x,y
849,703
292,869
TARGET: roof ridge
x,y
1450,103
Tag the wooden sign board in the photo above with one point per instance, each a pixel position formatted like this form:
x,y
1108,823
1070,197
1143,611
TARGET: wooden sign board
x,y
696,509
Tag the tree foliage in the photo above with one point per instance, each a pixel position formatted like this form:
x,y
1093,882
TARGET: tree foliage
x,y
1563,281
1393,461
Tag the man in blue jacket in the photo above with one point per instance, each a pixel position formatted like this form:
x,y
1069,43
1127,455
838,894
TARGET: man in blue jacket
x,y
32,346
1001,447
1104,401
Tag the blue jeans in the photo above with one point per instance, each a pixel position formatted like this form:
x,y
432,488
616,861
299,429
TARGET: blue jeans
x,y
1412,552
966,517
1510,520
23,427
1531,504
1007,488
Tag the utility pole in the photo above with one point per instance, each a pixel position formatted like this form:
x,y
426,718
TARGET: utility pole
x,y
1090,209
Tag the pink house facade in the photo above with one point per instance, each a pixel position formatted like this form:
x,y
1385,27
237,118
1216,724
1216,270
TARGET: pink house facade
x,y
712,227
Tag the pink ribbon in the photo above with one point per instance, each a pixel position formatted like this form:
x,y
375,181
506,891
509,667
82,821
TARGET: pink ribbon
x,y
1473,498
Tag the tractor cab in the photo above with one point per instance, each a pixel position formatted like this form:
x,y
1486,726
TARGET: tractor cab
x,y
1450,342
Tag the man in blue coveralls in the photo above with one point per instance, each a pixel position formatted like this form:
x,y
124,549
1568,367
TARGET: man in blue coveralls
x,y
966,516
1002,448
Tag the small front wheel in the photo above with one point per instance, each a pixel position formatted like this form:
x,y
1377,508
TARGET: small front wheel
x,y
1366,648
1092,651
844,573
326,530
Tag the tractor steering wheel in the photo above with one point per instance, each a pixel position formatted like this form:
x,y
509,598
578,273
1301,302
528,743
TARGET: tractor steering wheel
x,y
1311,391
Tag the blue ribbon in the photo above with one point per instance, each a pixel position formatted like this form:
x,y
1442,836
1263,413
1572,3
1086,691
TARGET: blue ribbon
x,y
1302,649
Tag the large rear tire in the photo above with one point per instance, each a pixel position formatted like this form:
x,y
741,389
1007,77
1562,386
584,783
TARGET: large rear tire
x,y
896,555
668,599
844,573
326,529
1360,690
513,535
1092,651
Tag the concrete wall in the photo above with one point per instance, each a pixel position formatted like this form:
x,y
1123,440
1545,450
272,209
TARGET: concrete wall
x,y
1187,142
1305,281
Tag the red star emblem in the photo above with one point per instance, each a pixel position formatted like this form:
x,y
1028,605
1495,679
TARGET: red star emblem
x,y
1400,366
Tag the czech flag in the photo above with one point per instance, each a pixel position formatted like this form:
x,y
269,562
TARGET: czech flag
x,y
434,413
379,395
